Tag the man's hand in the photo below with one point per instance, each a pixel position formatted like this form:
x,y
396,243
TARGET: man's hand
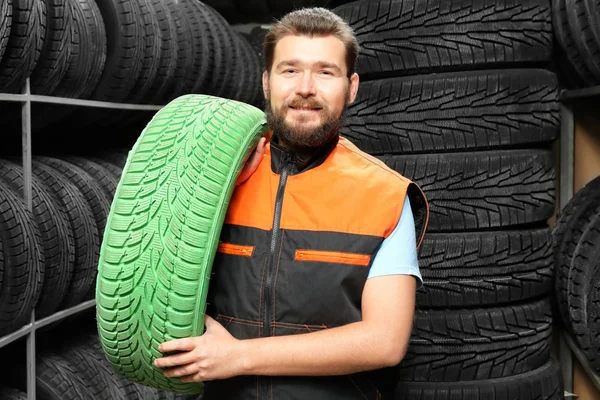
x,y
214,355
253,161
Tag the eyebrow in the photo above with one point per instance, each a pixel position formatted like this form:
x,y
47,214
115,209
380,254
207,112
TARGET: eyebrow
x,y
321,64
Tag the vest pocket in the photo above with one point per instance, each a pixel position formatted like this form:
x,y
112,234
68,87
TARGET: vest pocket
x,y
336,257
286,328
240,328
235,249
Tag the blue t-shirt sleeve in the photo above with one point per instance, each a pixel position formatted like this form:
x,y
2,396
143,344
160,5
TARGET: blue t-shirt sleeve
x,y
398,252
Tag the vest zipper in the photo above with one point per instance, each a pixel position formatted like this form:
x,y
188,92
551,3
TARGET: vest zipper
x,y
268,293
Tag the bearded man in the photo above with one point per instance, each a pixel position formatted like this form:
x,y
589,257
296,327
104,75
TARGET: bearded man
x,y
314,283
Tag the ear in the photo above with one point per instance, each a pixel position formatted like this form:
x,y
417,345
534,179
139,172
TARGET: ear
x,y
354,80
265,82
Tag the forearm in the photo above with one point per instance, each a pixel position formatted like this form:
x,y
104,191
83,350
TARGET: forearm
x,y
344,350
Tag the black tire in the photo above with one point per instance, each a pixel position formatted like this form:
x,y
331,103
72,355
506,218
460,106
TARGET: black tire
x,y
476,344
85,65
58,244
209,31
400,37
116,158
103,177
27,34
455,111
573,60
126,46
88,361
221,42
83,226
583,284
7,393
585,33
570,225
257,37
57,380
152,52
477,269
167,60
88,51
481,190
183,52
544,383
245,74
5,24
53,62
23,269
112,168
562,31
86,184
257,40
251,82
2,262
200,68
225,78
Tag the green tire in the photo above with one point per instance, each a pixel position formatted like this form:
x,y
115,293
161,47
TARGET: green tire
x,y
163,229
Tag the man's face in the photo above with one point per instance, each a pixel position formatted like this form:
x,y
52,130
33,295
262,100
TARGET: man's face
x,y
308,90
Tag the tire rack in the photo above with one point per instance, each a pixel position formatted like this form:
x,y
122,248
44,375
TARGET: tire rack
x,y
567,344
26,99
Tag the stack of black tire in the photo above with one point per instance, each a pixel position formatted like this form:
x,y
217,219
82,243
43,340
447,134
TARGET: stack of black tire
x,y
577,31
127,51
453,96
49,257
74,367
577,258
253,11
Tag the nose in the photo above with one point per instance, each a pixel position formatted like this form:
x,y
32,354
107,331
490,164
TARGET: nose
x,y
306,85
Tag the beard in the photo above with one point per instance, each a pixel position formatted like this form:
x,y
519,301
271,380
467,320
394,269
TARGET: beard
x,y
305,139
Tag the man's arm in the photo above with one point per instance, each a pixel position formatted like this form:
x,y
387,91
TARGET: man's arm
x,y
379,340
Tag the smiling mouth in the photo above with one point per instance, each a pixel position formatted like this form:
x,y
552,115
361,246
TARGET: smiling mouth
x,y
306,108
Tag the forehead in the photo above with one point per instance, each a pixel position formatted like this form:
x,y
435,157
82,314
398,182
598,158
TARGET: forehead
x,y
311,49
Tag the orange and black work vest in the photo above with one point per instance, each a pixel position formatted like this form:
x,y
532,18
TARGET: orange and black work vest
x,y
294,254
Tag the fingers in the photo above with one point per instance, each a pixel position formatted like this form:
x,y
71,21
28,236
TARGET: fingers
x,y
253,161
192,378
186,370
257,156
175,360
262,144
185,344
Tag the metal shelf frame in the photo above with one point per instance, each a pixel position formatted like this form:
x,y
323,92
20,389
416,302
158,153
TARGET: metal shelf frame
x,y
567,344
575,94
27,98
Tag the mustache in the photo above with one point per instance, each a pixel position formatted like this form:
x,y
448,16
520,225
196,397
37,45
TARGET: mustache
x,y
305,103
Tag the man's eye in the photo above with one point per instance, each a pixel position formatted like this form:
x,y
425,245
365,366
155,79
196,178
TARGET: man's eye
x,y
289,71
326,73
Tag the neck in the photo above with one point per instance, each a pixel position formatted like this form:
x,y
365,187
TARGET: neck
x,y
302,153
303,159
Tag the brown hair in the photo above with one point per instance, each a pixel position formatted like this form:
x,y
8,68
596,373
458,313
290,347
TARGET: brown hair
x,y
312,22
